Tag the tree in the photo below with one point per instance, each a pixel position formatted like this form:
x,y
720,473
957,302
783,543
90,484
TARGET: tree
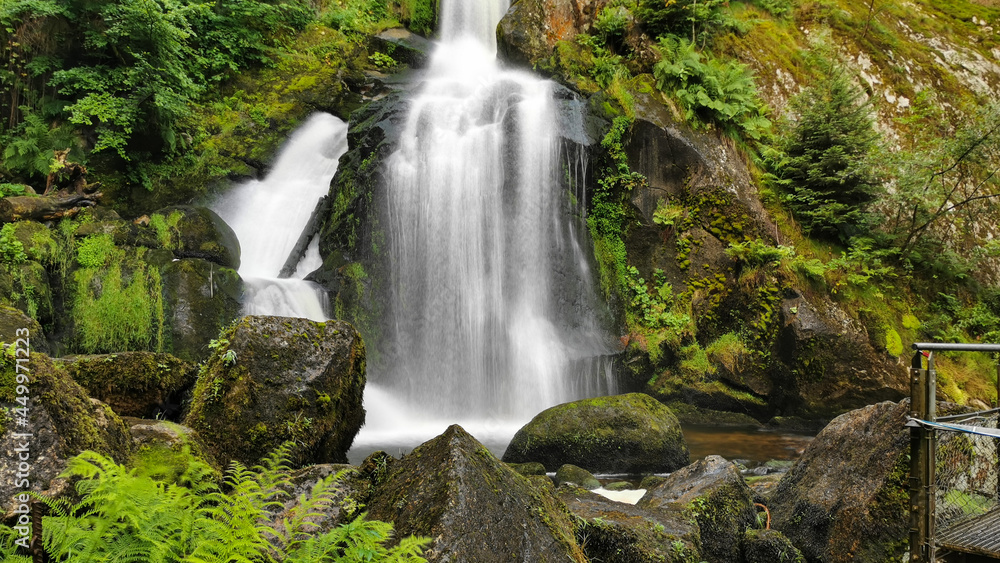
x,y
825,160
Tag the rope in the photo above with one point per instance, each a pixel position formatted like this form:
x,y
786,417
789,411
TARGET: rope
x,y
977,430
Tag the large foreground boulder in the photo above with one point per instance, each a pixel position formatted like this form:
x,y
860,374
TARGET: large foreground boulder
x,y
200,298
631,433
615,532
62,422
713,490
139,384
845,499
475,508
272,379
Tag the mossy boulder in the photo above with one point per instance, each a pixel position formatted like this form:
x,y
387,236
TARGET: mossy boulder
x,y
846,497
615,532
200,298
62,420
530,468
528,33
163,448
715,492
631,433
139,384
197,232
12,320
570,473
475,508
769,546
272,379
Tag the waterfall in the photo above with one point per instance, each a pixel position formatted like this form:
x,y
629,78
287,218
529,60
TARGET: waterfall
x,y
269,215
491,308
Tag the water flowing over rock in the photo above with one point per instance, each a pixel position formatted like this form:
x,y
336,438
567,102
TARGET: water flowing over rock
x,y
714,490
846,497
273,379
631,433
473,506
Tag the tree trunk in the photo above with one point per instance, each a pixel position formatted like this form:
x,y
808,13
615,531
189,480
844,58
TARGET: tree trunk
x,y
44,208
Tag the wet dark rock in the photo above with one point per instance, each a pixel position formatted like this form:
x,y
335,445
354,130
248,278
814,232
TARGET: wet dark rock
x,y
475,508
769,546
620,486
714,490
569,473
615,532
272,379
12,320
845,499
351,488
132,383
530,468
198,232
200,298
650,481
62,422
630,433
406,47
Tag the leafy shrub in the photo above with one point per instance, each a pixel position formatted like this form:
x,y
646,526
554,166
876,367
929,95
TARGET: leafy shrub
x,y
11,249
611,25
698,19
758,253
712,91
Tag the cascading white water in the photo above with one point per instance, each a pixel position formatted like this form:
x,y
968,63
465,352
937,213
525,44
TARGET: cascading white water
x,y
269,215
487,327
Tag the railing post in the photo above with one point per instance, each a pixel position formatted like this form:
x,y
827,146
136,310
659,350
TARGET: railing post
x,y
922,501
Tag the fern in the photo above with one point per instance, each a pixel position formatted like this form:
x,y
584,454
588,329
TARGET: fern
x,y
125,516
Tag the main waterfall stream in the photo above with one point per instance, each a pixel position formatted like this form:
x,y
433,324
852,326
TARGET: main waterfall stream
x,y
492,302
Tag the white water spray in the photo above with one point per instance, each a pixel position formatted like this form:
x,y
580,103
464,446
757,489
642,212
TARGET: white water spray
x,y
269,215
489,324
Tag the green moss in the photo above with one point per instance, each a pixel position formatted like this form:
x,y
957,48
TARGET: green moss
x,y
893,343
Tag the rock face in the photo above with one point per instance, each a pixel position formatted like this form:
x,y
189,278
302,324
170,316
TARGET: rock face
x,y
630,433
531,28
199,299
198,232
63,422
714,490
615,532
474,507
769,546
845,499
572,474
140,384
273,379
12,319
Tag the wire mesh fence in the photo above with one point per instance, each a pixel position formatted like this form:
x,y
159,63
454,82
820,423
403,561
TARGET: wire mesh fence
x,y
967,467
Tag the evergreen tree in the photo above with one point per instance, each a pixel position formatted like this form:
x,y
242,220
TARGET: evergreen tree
x,y
825,159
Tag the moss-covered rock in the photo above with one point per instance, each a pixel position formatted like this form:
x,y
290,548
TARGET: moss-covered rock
x,y
715,492
769,546
530,468
570,473
139,384
615,532
197,232
200,298
846,497
12,320
272,379
163,448
62,422
530,30
630,433
473,506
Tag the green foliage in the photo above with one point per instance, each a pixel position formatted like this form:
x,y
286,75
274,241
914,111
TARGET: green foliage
x,y
381,60
713,91
698,19
728,350
124,515
29,147
777,8
667,214
356,17
824,160
893,342
7,190
11,249
97,250
758,253
611,25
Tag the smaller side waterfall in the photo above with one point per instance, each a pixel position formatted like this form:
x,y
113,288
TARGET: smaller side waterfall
x,y
269,215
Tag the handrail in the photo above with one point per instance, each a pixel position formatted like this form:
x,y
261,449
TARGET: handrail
x,y
955,347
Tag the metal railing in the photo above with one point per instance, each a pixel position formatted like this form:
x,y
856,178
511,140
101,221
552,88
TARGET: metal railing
x,y
954,490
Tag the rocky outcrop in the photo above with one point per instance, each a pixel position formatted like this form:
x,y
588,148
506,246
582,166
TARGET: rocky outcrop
x,y
769,546
62,422
530,29
200,298
615,532
197,232
163,446
272,379
139,384
475,508
846,497
713,490
12,320
569,473
631,433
